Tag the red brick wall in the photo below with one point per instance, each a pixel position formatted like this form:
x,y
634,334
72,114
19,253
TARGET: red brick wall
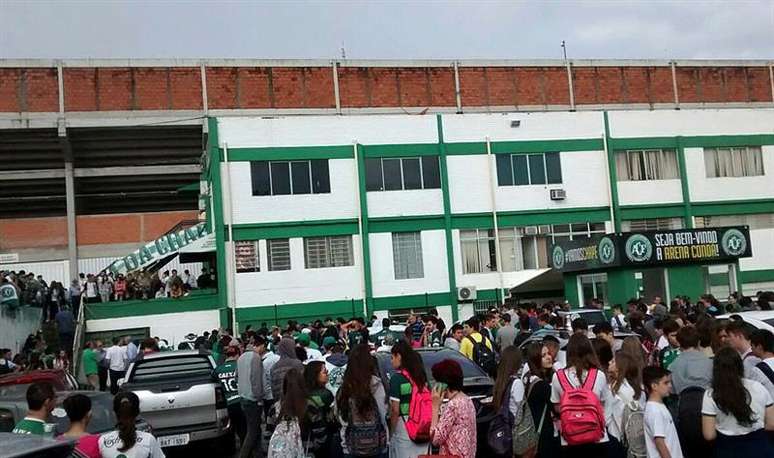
x,y
177,88
91,230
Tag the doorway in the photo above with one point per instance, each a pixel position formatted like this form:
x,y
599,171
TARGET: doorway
x,y
654,283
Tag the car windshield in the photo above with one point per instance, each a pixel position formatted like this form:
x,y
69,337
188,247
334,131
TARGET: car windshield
x,y
770,321
8,391
469,369
102,417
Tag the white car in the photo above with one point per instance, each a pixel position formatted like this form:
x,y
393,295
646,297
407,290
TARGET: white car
x,y
763,319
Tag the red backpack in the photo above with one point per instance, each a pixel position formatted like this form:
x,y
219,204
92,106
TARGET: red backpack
x,y
581,414
420,415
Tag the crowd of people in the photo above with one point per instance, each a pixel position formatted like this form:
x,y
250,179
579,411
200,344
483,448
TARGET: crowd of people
x,y
25,288
655,380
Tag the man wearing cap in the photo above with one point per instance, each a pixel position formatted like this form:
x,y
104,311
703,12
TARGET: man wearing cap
x,y
312,354
335,362
227,374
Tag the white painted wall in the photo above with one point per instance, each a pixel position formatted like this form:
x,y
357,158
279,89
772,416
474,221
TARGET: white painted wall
x,y
762,241
664,123
583,178
649,192
255,132
341,202
171,326
405,203
534,126
436,279
728,188
298,284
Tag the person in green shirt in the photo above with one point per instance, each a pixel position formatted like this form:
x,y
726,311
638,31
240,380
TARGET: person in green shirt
x,y
90,367
41,400
227,374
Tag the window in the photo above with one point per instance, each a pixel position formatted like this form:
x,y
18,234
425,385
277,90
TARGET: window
x,y
642,165
478,251
276,178
329,251
525,169
278,251
526,247
246,256
594,286
745,161
758,221
394,174
654,224
407,255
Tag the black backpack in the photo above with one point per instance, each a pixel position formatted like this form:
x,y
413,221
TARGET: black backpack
x,y
484,355
689,423
5,368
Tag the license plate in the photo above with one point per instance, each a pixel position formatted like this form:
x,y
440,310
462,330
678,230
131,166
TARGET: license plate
x,y
174,441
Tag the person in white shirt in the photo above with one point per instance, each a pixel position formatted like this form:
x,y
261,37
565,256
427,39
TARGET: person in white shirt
x,y
582,363
736,411
126,441
626,386
661,438
117,358
762,341
618,322
739,334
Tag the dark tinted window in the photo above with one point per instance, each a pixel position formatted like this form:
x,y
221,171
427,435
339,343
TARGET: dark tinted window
x,y
103,419
504,170
412,176
392,174
537,170
520,169
321,179
553,168
301,177
259,174
373,169
430,172
163,368
280,178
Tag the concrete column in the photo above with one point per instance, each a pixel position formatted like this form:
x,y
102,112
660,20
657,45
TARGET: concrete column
x,y
72,243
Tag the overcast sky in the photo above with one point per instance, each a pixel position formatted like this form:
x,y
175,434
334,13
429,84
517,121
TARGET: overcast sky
x,y
387,29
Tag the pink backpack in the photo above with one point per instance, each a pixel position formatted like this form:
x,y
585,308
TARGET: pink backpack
x,y
581,414
420,414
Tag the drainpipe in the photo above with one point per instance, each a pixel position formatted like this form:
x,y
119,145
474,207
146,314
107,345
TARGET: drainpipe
x,y
360,233
491,165
230,258
609,180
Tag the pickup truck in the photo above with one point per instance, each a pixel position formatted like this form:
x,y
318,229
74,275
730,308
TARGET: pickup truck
x,y
181,398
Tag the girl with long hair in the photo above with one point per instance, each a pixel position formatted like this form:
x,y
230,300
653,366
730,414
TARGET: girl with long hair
x,y
286,441
409,369
633,347
508,381
362,399
318,420
540,364
736,412
625,376
582,370
126,440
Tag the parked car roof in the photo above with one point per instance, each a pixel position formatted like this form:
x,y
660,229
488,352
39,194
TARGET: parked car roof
x,y
761,319
29,446
59,378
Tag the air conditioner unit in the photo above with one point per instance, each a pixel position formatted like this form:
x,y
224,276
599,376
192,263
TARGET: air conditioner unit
x,y
558,194
530,230
466,293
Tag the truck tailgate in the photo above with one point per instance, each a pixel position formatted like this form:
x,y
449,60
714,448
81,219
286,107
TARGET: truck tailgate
x,y
175,405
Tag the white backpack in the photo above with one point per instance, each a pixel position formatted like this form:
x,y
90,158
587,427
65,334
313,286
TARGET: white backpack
x,y
633,430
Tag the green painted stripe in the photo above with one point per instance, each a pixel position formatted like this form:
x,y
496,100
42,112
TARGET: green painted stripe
x,y
303,311
414,300
401,150
291,153
733,207
530,218
295,229
745,277
447,219
525,146
696,141
121,309
613,174
687,214
406,223
365,240
217,193
630,212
